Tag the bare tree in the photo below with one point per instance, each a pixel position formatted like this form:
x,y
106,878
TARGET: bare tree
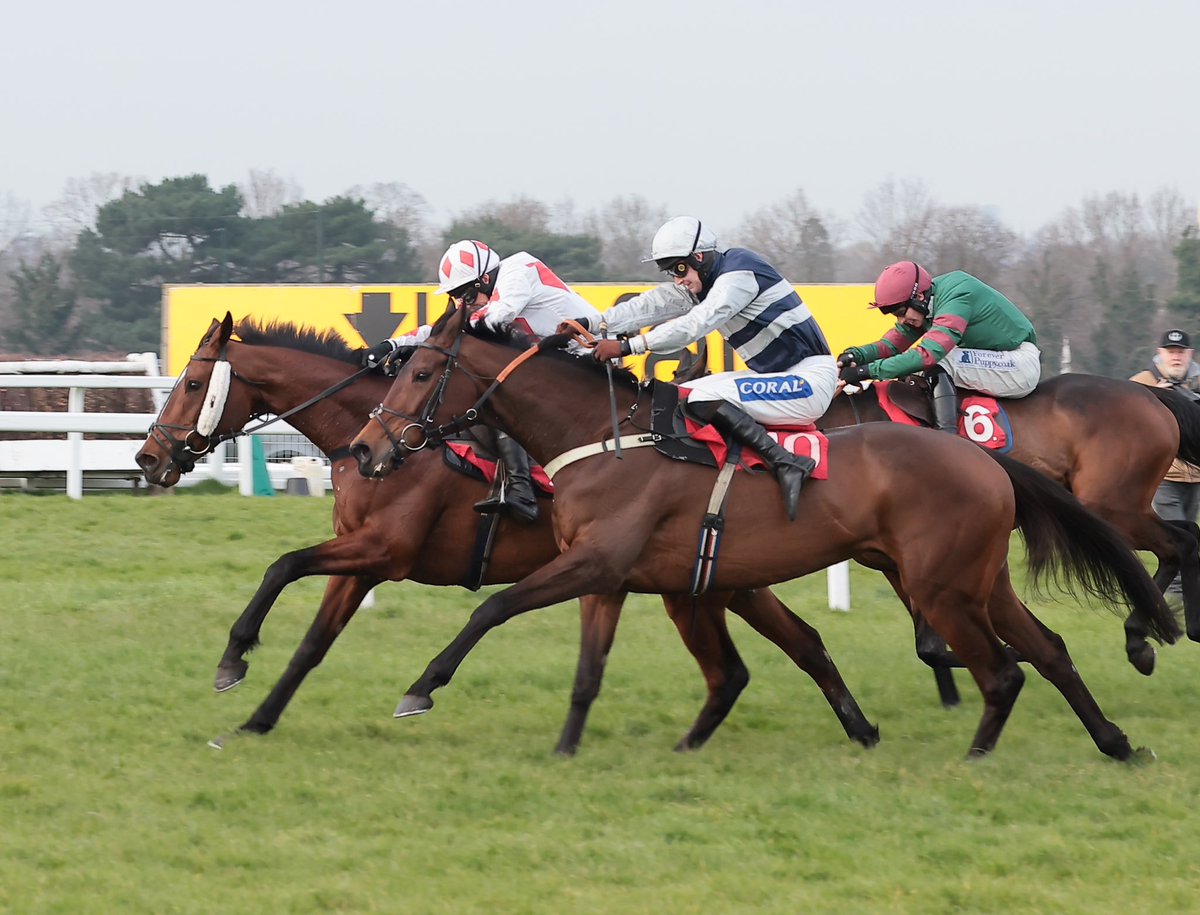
x,y
795,238
264,194
971,239
625,226
81,200
896,219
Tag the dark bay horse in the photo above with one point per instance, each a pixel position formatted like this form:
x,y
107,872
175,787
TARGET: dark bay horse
x,y
633,524
1109,442
421,526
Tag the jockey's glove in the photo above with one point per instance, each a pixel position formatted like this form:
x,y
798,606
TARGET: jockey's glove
x,y
377,355
854,374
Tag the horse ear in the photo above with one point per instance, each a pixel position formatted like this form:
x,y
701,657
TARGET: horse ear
x,y
212,329
226,327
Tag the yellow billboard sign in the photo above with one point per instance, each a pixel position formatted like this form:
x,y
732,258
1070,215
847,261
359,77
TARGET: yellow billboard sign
x,y
364,315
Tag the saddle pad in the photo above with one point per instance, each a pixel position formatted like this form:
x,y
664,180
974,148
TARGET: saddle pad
x,y
983,421
463,458
803,441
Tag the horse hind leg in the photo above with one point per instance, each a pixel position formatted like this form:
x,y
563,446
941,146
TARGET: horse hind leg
x,y
963,624
1174,545
1047,652
701,624
598,618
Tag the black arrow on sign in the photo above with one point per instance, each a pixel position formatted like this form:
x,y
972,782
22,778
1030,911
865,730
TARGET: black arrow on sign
x,y
376,321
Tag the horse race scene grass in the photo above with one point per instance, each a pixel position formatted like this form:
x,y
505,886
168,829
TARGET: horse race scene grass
x,y
113,799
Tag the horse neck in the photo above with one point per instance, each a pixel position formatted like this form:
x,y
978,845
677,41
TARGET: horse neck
x,y
550,408
287,378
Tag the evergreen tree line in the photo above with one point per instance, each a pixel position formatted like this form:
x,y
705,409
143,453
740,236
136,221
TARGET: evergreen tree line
x,y
1107,276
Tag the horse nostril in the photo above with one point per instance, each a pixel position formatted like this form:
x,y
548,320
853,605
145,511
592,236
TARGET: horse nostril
x,y
361,453
145,461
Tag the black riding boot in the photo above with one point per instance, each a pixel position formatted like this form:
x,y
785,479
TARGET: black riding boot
x,y
516,492
791,471
945,403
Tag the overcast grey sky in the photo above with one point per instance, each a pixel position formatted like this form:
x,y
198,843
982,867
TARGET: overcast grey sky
x,y
710,108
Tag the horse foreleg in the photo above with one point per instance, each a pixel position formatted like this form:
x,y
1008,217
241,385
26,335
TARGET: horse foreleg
x,y
701,624
350,554
598,618
582,569
343,595
772,619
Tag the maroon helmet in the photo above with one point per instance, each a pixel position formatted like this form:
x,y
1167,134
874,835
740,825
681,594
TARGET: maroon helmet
x,y
899,284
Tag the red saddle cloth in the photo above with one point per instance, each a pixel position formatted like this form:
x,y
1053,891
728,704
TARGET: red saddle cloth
x,y
981,418
487,467
803,441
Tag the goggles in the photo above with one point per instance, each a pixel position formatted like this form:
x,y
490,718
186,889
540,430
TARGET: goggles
x,y
674,266
466,294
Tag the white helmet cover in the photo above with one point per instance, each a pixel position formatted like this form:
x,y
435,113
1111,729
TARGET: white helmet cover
x,y
464,262
681,236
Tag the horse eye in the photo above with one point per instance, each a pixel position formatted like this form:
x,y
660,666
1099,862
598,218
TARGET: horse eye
x,y
421,376
193,386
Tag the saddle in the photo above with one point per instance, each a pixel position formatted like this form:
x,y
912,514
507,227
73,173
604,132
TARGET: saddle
x,y
682,436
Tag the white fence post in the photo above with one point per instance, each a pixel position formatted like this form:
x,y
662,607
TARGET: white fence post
x,y
838,579
75,447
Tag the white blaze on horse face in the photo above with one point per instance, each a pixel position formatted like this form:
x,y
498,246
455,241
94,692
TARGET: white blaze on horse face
x,y
214,398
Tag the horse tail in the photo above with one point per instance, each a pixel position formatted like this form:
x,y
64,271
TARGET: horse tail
x,y
1187,413
1069,545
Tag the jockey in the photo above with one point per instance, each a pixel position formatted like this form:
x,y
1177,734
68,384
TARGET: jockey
x,y
791,375
954,327
520,291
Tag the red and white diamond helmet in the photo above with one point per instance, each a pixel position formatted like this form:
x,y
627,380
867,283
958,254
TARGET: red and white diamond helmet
x,y
463,263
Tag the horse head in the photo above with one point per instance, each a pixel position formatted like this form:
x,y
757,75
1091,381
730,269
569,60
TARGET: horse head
x,y
204,408
425,389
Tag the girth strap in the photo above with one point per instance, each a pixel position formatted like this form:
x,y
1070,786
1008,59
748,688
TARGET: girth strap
x,y
640,440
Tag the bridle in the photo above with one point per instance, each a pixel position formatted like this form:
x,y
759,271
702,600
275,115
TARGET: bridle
x,y
432,433
193,444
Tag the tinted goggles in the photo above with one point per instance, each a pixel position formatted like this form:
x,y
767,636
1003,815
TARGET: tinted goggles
x,y
674,266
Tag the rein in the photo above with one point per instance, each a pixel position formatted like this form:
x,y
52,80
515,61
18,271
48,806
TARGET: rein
x,y
432,433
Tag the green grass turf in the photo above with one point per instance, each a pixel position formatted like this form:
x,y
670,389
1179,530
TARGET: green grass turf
x,y
116,610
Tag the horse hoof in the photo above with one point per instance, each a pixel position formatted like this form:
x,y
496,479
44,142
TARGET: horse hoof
x,y
1142,658
869,739
230,675
1142,756
412,705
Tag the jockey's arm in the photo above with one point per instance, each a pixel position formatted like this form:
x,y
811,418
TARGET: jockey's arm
x,y
420,335
663,302
729,295
931,348
514,290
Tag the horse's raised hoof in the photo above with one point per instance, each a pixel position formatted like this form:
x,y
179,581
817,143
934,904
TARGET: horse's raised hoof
x,y
412,705
1142,658
229,675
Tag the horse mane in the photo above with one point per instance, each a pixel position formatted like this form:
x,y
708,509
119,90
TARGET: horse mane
x,y
291,336
551,347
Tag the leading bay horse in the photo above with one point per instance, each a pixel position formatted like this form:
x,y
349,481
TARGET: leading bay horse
x,y
632,524
422,527
1109,442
